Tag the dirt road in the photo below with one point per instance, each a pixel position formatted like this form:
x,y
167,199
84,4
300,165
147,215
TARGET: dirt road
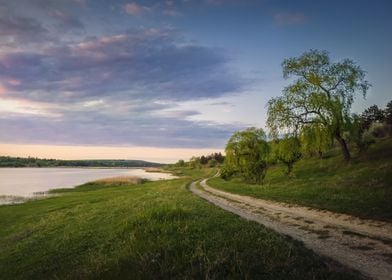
x,y
359,244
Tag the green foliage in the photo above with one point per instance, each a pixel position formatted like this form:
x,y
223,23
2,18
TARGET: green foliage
x,y
218,157
315,139
371,115
388,113
247,153
212,163
322,94
378,130
180,163
358,135
195,163
288,151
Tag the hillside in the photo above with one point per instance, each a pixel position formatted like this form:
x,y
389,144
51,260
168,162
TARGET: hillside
x,y
361,188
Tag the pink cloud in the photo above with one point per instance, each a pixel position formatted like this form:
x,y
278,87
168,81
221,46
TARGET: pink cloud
x,y
135,9
287,18
14,82
92,45
3,90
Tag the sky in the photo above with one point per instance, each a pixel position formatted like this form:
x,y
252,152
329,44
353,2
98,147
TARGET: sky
x,y
164,80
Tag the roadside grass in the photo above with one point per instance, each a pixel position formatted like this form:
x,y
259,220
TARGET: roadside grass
x,y
362,188
153,230
195,173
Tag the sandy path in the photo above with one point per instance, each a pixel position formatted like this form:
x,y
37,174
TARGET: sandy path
x,y
363,245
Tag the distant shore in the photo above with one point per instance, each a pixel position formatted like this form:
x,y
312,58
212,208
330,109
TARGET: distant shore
x,y
6,161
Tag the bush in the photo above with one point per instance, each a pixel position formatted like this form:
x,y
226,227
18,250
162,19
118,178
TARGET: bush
x,y
378,130
367,139
212,163
226,173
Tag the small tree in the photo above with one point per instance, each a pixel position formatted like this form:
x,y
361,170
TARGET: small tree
x,y
180,163
194,163
371,115
246,154
388,113
212,162
288,151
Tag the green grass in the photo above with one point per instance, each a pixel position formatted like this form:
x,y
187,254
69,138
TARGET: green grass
x,y
145,231
362,188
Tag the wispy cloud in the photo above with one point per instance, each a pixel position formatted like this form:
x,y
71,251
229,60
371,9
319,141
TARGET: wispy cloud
x,y
98,129
65,20
289,18
135,9
171,12
17,29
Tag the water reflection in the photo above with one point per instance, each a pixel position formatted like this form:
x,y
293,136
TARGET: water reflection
x,y
17,184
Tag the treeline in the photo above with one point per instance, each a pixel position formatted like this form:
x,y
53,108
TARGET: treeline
x,y
210,160
6,161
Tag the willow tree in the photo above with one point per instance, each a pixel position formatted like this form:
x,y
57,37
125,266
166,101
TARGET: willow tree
x,y
246,154
288,151
322,93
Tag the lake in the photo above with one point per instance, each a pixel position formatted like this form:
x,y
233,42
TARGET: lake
x,y
19,183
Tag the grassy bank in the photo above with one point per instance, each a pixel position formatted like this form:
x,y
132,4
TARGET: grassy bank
x,y
362,188
149,230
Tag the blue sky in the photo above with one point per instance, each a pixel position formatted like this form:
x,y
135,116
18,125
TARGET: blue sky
x,y
168,75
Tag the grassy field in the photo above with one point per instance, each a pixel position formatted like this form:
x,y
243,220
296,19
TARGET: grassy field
x,y
144,231
362,188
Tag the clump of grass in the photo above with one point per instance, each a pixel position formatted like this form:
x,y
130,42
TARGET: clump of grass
x,y
154,169
121,180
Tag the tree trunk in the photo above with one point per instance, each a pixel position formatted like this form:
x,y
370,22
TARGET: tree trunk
x,y
289,169
320,154
343,145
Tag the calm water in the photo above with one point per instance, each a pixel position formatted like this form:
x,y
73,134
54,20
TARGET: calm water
x,y
24,182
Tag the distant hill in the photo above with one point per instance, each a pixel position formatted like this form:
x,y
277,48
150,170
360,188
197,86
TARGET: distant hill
x,y
6,161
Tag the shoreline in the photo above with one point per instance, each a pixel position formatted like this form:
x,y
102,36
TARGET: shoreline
x,y
9,198
84,167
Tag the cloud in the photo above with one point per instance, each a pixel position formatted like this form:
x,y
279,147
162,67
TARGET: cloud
x,y
223,103
118,89
142,63
171,12
66,21
78,127
135,9
16,29
223,2
3,90
289,18
80,2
